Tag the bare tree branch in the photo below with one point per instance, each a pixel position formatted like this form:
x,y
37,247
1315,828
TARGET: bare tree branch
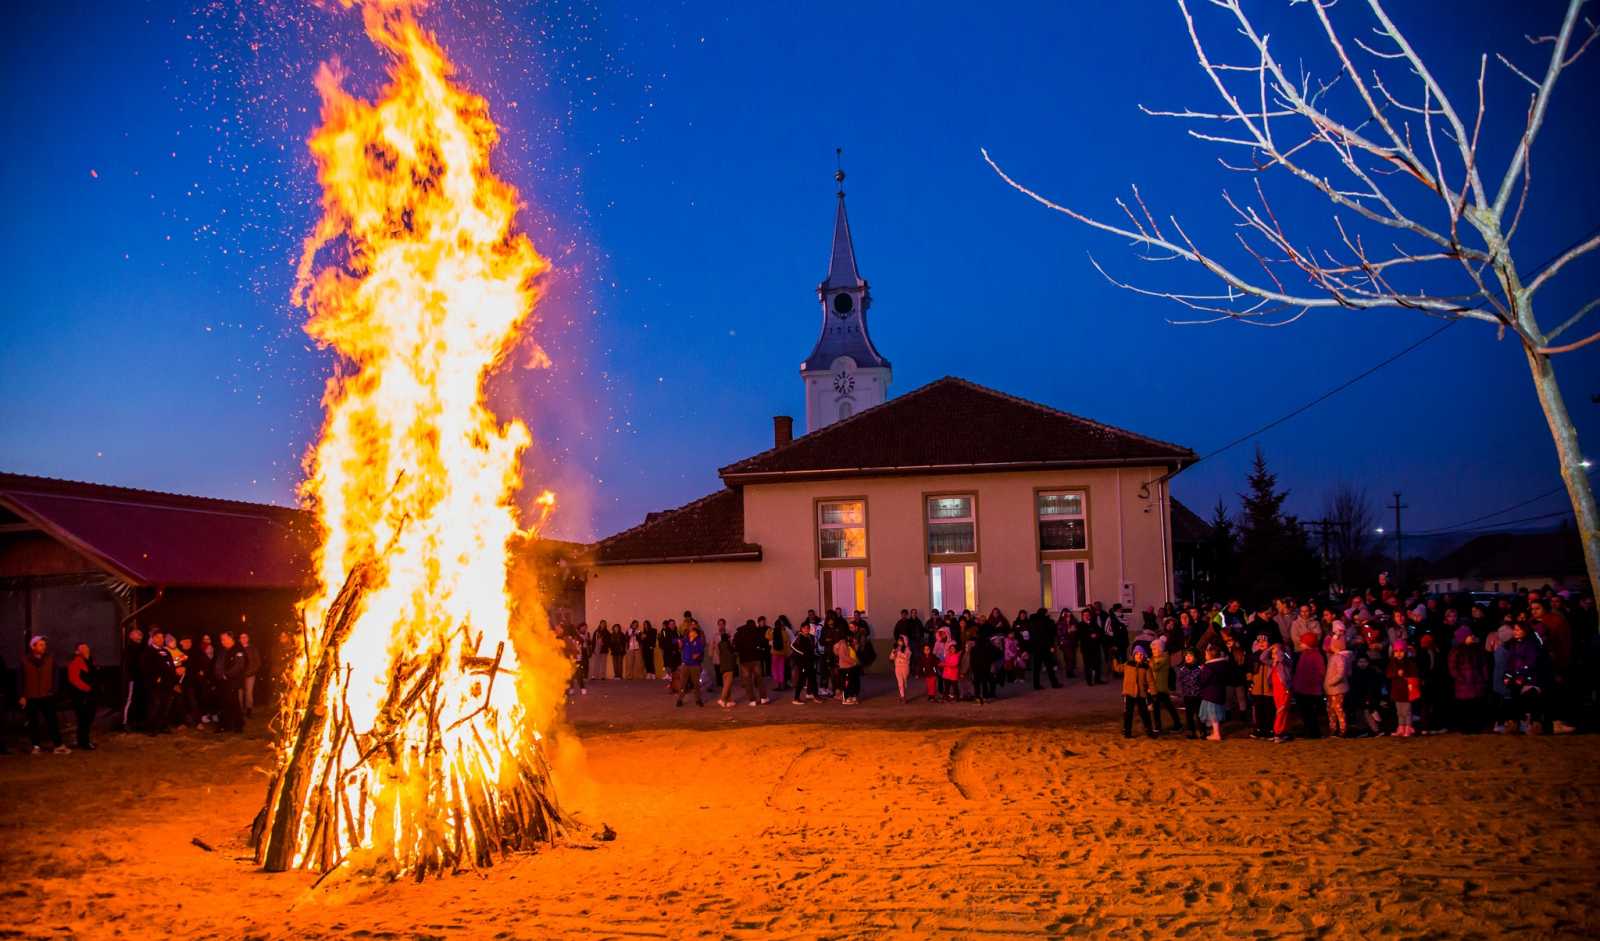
x,y
1580,249
1541,100
1190,253
1573,320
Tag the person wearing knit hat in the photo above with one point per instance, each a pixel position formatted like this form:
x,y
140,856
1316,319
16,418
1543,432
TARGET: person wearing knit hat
x,y
1310,669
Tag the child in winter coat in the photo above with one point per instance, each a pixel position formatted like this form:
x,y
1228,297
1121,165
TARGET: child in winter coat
x,y
1469,675
1336,684
950,672
900,657
1366,689
1310,678
1189,688
926,667
1405,688
1161,684
1136,689
1281,679
1214,690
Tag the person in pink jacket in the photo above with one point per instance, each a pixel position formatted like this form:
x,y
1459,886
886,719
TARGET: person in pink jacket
x,y
1310,670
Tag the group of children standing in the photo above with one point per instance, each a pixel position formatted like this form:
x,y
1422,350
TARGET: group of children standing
x,y
1377,689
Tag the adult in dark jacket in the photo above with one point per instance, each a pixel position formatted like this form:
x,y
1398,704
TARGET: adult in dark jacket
x,y
648,638
803,662
984,656
1042,647
161,678
38,695
1091,642
750,643
230,684
667,641
80,687
135,691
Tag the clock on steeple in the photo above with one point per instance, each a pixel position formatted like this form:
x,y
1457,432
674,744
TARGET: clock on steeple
x,y
844,373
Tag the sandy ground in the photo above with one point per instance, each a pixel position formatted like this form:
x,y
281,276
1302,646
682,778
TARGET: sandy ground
x,y
1026,818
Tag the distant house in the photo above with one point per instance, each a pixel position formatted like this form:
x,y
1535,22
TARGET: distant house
x,y
1507,562
79,561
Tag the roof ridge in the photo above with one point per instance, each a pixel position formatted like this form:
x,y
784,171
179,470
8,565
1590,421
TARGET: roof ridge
x,y
63,486
656,516
1113,429
841,423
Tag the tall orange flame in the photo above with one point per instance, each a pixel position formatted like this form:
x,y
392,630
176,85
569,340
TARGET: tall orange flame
x,y
414,740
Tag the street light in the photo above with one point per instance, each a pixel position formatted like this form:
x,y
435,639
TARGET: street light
x,y
1380,530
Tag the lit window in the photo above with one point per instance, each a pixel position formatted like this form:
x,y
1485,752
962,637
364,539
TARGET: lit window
x,y
1062,525
952,526
954,587
842,529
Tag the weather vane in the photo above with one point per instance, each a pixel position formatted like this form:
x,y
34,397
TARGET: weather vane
x,y
838,164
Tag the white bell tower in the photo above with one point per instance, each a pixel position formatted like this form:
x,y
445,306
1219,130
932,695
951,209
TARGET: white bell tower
x,y
844,373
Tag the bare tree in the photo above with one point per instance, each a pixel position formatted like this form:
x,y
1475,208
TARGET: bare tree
x,y
1412,208
1351,520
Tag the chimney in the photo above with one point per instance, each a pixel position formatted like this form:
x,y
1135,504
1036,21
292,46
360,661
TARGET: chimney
x,y
782,430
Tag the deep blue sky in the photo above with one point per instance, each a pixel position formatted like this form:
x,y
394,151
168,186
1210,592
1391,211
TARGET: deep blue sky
x,y
677,160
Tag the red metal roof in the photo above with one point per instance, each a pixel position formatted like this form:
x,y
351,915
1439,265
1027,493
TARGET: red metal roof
x,y
172,540
956,425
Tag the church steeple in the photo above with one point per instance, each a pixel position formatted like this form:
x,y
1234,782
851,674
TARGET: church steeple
x,y
844,358
842,265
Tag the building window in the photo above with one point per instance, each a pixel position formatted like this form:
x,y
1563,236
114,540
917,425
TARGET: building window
x,y
1063,526
842,530
952,525
954,587
845,409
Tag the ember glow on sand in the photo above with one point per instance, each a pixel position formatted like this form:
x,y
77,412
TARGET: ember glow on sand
x,y
413,741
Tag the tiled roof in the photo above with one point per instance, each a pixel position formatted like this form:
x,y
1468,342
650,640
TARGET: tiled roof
x,y
709,529
953,424
149,538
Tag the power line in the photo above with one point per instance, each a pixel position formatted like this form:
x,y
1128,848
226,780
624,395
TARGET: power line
x,y
1326,395
1498,526
1508,509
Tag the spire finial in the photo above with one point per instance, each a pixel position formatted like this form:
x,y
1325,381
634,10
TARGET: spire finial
x,y
838,172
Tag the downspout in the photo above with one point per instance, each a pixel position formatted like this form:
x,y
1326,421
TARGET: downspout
x,y
1166,569
1122,574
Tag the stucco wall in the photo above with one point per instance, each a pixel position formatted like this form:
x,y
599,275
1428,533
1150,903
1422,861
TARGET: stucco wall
x,y
1125,545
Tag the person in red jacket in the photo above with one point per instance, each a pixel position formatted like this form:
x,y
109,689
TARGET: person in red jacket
x,y
80,682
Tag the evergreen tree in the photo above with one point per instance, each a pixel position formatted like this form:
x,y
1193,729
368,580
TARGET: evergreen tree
x,y
1222,549
1275,554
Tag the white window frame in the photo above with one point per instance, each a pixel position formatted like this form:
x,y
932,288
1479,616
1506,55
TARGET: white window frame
x,y
1040,517
930,521
822,527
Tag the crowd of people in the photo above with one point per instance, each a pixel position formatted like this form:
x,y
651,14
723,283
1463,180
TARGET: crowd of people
x,y
1370,663
164,682
946,657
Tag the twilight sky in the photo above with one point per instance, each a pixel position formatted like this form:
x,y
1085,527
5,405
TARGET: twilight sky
x,y
677,161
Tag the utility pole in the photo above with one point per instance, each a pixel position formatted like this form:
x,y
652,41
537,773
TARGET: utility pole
x,y
1399,542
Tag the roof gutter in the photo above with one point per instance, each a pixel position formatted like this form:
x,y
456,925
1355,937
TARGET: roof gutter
x,y
749,476
754,556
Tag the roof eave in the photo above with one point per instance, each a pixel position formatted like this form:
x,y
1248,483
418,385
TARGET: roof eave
x,y
752,555
823,473
49,528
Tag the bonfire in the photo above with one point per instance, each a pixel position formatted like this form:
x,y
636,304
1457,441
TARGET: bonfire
x,y
413,736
